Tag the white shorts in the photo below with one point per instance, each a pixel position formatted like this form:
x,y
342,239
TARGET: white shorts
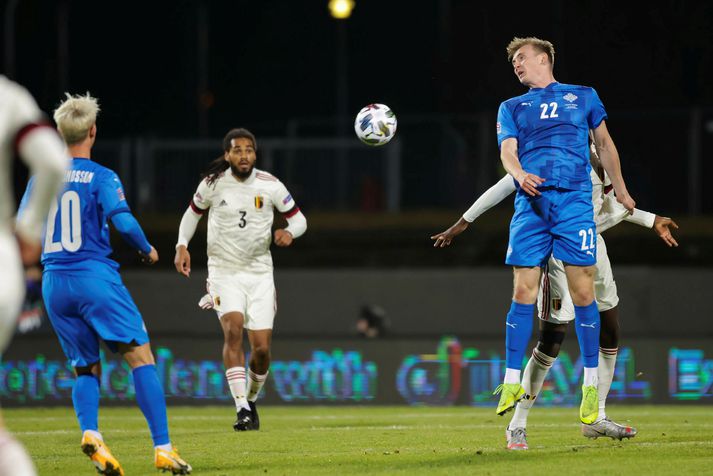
x,y
554,304
252,295
12,290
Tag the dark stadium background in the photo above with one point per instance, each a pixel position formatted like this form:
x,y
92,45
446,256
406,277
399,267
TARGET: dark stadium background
x,y
173,77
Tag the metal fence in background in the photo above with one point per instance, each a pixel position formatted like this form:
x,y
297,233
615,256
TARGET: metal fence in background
x,y
436,162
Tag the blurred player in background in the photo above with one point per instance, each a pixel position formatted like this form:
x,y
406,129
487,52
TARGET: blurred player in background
x,y
24,131
555,307
83,292
543,137
241,288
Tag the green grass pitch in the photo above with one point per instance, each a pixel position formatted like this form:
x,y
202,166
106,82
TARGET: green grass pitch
x,y
378,440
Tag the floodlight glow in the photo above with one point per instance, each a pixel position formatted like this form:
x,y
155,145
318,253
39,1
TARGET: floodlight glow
x,y
341,9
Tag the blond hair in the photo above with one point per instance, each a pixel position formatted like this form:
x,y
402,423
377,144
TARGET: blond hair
x,y
75,116
543,46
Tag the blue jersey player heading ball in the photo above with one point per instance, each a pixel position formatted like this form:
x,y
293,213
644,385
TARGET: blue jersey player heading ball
x,y
83,293
543,138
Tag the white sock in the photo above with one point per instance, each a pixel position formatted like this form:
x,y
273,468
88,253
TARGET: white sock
x,y
95,434
607,362
590,376
534,376
167,447
255,383
512,376
236,382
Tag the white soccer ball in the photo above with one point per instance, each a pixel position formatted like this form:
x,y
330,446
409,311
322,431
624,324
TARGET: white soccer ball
x,y
375,124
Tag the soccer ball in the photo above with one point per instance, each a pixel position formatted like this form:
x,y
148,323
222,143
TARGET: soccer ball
x,y
375,124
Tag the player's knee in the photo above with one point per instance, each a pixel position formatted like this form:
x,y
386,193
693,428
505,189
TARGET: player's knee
x,y
261,353
524,294
549,342
233,333
92,369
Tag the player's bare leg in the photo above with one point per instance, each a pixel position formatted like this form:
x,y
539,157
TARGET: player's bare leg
x,y
517,334
608,349
260,343
234,362
152,402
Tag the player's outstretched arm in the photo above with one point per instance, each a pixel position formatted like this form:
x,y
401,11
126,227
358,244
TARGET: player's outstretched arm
x,y
662,227
491,197
445,238
186,230
609,158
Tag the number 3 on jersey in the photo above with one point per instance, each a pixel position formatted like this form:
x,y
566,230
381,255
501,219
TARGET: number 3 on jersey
x,y
70,224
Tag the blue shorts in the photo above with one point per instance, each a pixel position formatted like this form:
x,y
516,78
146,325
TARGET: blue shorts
x,y
559,223
84,309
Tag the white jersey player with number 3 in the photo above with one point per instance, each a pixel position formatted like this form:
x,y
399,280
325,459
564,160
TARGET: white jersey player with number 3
x,y
241,201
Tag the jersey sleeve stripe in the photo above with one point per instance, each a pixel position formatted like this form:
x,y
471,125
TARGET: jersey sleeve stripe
x,y
196,208
117,211
292,212
25,130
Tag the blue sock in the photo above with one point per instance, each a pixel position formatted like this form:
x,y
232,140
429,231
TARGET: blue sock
x,y
517,333
85,397
586,322
149,396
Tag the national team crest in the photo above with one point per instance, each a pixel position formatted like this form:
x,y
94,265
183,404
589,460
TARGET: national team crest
x,y
556,304
259,202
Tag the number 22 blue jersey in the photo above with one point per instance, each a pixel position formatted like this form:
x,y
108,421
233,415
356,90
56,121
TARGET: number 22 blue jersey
x,y
551,126
76,238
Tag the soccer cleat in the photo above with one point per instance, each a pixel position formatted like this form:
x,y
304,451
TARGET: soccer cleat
x,y
256,418
100,455
510,394
244,421
609,428
589,409
170,461
517,438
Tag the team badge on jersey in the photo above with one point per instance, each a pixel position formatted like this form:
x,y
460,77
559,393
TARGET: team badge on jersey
x,y
556,304
259,202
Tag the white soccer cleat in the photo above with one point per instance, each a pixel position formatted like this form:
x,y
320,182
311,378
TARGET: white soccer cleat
x,y
608,428
516,438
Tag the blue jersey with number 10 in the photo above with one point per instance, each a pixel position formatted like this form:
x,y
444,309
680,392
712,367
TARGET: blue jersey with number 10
x,y
76,239
551,126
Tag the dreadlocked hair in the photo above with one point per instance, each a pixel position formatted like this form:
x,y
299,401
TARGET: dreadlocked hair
x,y
218,166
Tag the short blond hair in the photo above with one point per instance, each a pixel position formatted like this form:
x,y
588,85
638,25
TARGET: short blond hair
x,y
75,116
543,46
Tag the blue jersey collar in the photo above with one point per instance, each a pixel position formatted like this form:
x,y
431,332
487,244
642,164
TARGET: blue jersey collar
x,y
549,86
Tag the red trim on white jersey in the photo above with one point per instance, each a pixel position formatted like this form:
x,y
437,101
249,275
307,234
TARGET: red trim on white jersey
x,y
265,176
25,130
196,208
292,212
